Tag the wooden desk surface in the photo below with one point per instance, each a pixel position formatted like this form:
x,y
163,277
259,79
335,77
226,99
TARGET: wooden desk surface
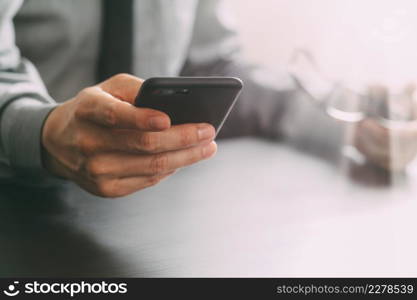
x,y
256,209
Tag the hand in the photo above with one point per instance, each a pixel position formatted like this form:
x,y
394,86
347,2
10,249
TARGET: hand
x,y
111,148
389,147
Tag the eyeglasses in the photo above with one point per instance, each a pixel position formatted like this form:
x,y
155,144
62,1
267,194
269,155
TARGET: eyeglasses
x,y
344,103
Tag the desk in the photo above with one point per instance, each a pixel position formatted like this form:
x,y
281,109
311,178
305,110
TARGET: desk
x,y
256,209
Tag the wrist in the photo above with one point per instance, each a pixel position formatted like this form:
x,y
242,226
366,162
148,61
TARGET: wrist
x,y
21,126
49,162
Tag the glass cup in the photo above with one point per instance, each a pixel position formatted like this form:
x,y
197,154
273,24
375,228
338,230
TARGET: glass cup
x,y
344,103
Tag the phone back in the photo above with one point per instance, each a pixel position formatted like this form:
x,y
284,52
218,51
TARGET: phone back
x,y
191,99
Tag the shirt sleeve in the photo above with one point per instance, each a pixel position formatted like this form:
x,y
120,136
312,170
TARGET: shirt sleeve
x,y
271,104
24,105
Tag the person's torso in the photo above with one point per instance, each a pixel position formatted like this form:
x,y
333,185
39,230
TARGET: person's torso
x,y
62,39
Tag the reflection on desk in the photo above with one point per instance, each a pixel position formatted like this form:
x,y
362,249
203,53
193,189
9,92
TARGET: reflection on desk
x,y
256,209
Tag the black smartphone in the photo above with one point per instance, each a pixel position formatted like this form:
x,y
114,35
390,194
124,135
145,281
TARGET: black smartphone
x,y
191,99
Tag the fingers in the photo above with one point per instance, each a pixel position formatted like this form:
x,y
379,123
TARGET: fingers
x,y
122,86
121,165
116,175
175,138
111,188
127,186
406,132
103,109
95,140
390,148
373,133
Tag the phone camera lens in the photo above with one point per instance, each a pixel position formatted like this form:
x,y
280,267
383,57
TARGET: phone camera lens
x,y
168,92
163,92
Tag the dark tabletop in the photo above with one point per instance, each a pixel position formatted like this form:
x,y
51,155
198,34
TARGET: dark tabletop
x,y
256,209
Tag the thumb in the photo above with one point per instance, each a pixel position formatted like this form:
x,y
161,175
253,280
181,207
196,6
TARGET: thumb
x,y
122,86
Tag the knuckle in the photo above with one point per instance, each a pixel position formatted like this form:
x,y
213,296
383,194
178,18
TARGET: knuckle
x,y
87,146
86,101
186,136
140,121
133,143
149,142
153,180
122,77
80,111
85,93
109,115
107,188
84,98
159,164
95,168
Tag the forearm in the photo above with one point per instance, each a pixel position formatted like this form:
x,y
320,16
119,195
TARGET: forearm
x,y
24,105
21,127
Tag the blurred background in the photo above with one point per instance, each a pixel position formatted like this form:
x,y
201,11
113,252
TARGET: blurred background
x,y
359,41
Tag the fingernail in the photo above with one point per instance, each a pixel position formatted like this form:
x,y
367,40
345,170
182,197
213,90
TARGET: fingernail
x,y
205,132
209,150
158,122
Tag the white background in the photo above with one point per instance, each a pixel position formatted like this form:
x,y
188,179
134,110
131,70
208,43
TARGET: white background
x,y
361,41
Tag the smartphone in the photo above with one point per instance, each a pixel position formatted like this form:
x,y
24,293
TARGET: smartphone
x,y
191,99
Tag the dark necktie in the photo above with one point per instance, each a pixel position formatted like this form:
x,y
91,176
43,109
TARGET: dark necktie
x,y
115,53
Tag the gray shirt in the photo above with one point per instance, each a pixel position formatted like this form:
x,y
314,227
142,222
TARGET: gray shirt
x,y
49,51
